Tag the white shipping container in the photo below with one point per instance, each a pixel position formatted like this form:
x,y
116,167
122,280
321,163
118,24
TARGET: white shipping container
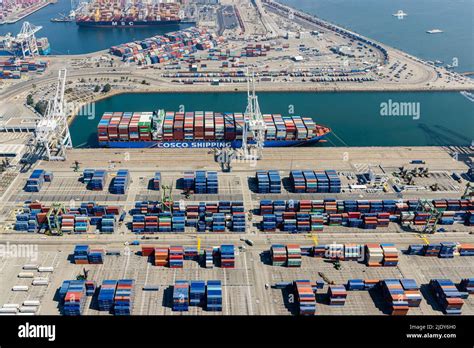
x,y
45,269
31,303
8,311
20,288
11,305
26,275
40,282
28,309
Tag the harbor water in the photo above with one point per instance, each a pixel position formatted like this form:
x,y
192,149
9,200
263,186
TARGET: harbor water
x,y
373,18
356,118
68,38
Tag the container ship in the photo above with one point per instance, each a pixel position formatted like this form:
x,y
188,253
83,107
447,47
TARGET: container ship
x,y
201,129
136,13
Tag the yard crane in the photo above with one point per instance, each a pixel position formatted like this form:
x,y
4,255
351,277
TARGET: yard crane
x,y
432,221
253,137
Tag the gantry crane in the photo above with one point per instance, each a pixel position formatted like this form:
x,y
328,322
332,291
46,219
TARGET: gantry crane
x,y
52,131
27,39
253,137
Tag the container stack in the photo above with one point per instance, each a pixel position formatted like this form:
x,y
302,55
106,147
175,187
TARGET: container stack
x,y
466,249
161,256
227,253
189,181
370,221
390,254
394,294
238,219
415,249
374,255
176,257
337,295
96,256
353,252
209,258
214,296
75,298
97,183
212,183
447,250
68,223
335,251
263,182
197,293
275,181
81,223
200,182
303,223
181,296
90,287
178,222
319,250
266,207
447,295
121,182
432,249
289,222
123,299
334,181
278,255
322,182
147,250
412,292
156,183
81,253
305,296
108,223
355,284
190,253
164,222
269,223
106,295
298,181
310,181
35,181
293,254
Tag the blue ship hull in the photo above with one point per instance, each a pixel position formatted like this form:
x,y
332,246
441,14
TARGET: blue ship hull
x,y
126,23
204,143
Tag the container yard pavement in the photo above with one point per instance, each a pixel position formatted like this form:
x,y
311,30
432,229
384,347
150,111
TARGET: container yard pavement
x,y
244,290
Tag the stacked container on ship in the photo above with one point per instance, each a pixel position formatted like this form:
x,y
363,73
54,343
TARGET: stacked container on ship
x,y
200,129
138,13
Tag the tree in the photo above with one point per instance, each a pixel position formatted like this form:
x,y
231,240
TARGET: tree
x,y
96,88
29,100
144,82
106,88
41,106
